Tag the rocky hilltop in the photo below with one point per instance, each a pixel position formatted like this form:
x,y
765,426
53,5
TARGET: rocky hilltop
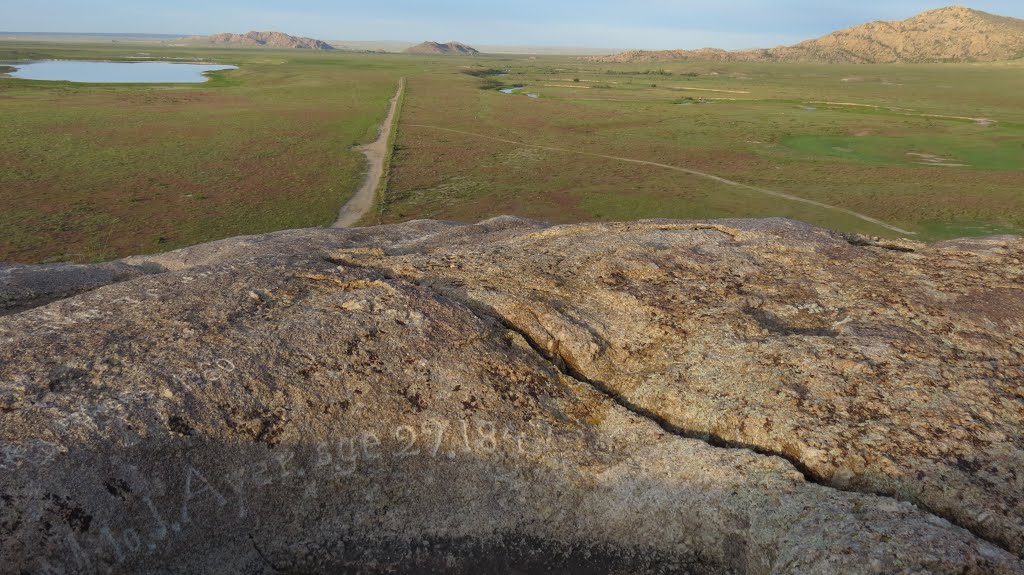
x,y
953,34
261,39
733,396
449,49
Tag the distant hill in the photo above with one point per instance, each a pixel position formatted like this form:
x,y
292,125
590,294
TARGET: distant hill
x,y
264,39
451,48
952,34
399,46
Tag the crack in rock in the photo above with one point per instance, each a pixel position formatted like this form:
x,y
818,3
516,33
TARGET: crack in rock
x,y
565,365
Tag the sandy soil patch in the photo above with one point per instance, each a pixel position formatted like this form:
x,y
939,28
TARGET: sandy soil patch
x,y
933,160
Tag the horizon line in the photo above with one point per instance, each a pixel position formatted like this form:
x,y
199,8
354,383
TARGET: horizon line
x,y
323,39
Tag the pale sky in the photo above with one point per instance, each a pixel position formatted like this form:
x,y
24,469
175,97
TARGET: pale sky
x,y
651,24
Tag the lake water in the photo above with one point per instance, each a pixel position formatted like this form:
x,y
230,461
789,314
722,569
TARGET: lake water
x,y
116,72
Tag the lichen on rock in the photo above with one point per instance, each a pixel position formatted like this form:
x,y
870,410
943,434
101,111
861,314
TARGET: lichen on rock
x,y
654,397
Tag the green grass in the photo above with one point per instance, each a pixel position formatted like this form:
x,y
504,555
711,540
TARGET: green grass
x,y
759,124
960,147
92,171
952,230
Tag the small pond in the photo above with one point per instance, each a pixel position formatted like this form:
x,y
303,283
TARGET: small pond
x,y
516,89
116,72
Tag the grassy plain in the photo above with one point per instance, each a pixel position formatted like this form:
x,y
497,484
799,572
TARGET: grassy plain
x,y
937,150
93,172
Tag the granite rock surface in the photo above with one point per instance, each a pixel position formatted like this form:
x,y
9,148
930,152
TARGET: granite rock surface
x,y
736,396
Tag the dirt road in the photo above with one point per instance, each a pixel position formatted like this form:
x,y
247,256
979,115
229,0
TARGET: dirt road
x,y
376,154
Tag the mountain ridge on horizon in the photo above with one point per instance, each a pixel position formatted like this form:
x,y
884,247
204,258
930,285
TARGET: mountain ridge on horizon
x,y
448,48
949,34
261,39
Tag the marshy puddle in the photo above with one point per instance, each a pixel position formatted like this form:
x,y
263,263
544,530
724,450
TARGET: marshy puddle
x,y
116,72
516,89
695,102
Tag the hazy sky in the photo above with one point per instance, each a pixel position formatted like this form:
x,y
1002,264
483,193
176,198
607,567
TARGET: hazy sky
x,y
593,23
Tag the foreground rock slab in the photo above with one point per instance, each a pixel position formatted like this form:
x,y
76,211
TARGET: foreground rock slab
x,y
655,397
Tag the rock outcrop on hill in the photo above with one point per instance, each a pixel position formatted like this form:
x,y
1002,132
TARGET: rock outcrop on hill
x,y
734,396
953,34
449,49
260,39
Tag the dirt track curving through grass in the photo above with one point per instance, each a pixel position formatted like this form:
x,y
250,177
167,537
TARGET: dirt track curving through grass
x,y
719,179
376,154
